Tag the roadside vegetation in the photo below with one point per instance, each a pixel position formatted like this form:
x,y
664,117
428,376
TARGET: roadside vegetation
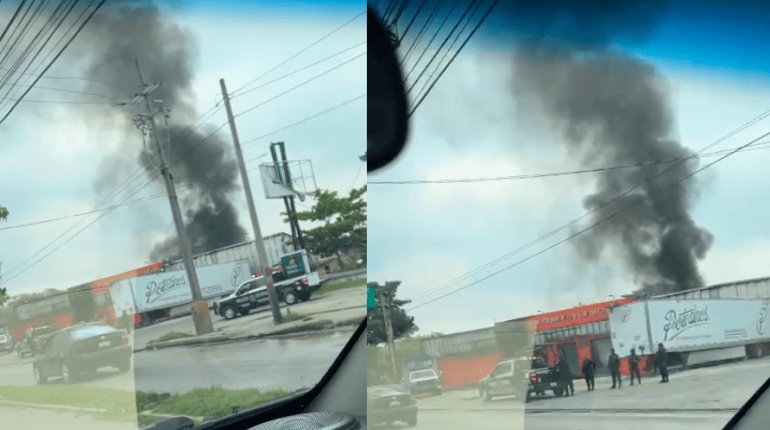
x,y
171,336
334,286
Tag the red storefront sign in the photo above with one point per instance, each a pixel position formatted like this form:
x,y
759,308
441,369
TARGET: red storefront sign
x,y
587,314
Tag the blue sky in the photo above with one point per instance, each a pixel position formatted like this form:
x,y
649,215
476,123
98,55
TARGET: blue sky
x,y
50,171
425,235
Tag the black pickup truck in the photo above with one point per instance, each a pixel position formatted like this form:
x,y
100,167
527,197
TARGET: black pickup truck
x,y
543,378
251,295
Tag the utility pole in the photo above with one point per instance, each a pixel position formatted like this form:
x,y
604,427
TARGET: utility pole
x,y
386,300
261,250
200,307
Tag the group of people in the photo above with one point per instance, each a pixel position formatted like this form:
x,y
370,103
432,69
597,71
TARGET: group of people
x,y
613,363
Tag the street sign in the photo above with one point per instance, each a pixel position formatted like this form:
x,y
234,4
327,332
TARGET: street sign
x,y
371,298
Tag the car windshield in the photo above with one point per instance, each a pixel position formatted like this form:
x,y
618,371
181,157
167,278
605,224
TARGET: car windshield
x,y
155,156
422,374
582,181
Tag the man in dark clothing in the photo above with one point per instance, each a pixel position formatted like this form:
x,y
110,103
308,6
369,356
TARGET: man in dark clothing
x,y
633,360
589,369
660,361
565,375
614,364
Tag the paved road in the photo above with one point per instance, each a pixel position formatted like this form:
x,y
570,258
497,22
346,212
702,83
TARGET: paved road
x,y
698,398
289,364
264,364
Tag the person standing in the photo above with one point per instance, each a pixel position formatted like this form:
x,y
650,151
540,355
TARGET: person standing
x,y
633,360
660,361
565,376
614,364
589,369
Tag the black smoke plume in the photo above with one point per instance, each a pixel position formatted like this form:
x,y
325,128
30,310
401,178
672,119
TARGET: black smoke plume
x,y
613,109
201,168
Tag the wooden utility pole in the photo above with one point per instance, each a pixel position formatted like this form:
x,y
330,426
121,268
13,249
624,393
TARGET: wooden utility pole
x,y
200,307
261,249
386,301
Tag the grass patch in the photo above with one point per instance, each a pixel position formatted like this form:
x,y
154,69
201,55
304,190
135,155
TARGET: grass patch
x,y
118,405
350,283
171,336
205,402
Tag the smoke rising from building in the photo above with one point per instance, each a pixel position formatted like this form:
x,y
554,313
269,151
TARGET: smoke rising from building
x,y
612,109
167,54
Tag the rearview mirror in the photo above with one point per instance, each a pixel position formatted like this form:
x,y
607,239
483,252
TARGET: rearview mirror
x,y
386,96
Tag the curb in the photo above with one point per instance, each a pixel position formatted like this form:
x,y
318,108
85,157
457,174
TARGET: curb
x,y
285,333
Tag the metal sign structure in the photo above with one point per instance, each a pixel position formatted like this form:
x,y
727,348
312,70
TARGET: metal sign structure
x,y
275,185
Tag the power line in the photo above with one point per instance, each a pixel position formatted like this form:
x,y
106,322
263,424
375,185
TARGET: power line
x,y
140,187
449,49
758,146
421,32
90,212
303,83
411,22
446,39
430,42
300,69
592,226
66,45
48,24
300,52
419,102
598,207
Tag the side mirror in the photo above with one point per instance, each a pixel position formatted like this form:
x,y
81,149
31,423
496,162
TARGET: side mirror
x,y
387,117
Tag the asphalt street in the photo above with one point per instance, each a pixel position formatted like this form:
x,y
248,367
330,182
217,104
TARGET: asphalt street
x,y
287,364
698,398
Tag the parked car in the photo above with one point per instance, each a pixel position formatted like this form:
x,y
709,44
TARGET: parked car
x,y
75,351
5,343
423,381
388,404
32,340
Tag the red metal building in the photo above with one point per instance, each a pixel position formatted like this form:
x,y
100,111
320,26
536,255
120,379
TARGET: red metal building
x,y
87,302
577,333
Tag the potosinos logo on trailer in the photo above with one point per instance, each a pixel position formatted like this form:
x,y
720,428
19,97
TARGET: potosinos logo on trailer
x,y
677,323
762,320
156,290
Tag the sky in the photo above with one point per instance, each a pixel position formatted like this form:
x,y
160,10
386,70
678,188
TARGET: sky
x,y
471,126
53,153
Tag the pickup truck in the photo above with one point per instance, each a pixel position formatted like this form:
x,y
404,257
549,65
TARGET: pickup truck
x,y
251,295
543,378
521,377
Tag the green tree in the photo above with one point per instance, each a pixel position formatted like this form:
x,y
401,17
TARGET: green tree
x,y
344,224
403,324
4,213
